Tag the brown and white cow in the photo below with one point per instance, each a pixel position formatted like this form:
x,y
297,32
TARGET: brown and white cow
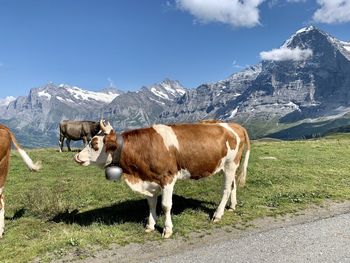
x,y
154,158
6,137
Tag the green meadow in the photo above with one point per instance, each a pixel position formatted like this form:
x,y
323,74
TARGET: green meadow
x,y
65,207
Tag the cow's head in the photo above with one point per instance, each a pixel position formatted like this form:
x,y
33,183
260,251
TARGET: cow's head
x,y
99,150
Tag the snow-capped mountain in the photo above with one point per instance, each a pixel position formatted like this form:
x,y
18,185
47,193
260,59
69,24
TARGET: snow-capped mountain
x,y
307,79
143,107
299,89
40,112
211,100
44,101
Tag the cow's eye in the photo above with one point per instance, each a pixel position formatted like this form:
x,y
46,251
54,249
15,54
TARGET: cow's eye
x,y
94,145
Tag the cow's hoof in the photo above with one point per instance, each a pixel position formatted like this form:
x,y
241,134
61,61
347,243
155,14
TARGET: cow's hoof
x,y
167,234
231,209
149,230
215,220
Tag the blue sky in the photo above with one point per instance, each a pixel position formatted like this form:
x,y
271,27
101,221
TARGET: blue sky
x,y
132,43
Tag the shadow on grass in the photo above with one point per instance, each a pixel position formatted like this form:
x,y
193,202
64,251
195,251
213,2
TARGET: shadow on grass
x,y
71,151
18,214
129,211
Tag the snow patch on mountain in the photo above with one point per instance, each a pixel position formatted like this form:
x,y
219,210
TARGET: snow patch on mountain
x,y
43,93
86,95
171,90
60,98
160,93
293,105
64,100
345,45
6,101
233,113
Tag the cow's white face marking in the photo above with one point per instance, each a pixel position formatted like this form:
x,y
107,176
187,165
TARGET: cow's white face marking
x,y
168,135
98,157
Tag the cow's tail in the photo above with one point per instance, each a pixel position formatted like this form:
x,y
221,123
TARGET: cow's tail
x,y
243,173
32,166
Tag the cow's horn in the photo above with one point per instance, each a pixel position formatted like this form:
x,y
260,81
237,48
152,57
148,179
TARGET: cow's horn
x,y
103,127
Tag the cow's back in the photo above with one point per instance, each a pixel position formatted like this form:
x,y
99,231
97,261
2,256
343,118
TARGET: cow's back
x,y
71,129
90,128
75,130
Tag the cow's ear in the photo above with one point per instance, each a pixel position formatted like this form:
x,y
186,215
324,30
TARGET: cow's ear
x,y
110,141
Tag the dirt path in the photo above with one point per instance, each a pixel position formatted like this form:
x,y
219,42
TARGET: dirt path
x,y
160,250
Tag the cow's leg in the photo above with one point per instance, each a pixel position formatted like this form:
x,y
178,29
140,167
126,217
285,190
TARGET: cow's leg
x,y
88,139
85,141
60,142
68,144
4,168
229,180
233,196
152,203
167,202
2,212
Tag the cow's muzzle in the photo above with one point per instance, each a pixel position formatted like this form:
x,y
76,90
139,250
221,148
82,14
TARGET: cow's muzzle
x,y
77,160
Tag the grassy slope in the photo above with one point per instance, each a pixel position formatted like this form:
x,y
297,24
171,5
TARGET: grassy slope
x,y
65,207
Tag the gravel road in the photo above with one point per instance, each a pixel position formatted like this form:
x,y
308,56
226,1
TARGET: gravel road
x,y
325,240
317,234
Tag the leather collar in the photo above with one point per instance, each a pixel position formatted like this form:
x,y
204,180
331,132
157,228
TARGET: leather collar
x,y
118,152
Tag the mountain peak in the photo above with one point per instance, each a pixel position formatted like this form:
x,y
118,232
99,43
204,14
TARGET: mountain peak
x,y
300,35
306,29
167,89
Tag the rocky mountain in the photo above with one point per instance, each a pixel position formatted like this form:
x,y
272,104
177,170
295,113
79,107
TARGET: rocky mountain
x,y
37,115
301,89
143,107
5,102
278,94
35,118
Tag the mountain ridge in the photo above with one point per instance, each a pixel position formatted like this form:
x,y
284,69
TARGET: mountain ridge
x,y
305,80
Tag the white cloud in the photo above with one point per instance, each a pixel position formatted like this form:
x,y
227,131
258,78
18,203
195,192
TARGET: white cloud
x,y
333,11
285,53
111,82
273,3
236,65
237,13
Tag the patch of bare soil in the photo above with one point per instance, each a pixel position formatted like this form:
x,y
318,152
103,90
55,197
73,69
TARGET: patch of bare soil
x,y
153,250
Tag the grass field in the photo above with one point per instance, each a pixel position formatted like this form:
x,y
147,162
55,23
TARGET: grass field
x,y
65,207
